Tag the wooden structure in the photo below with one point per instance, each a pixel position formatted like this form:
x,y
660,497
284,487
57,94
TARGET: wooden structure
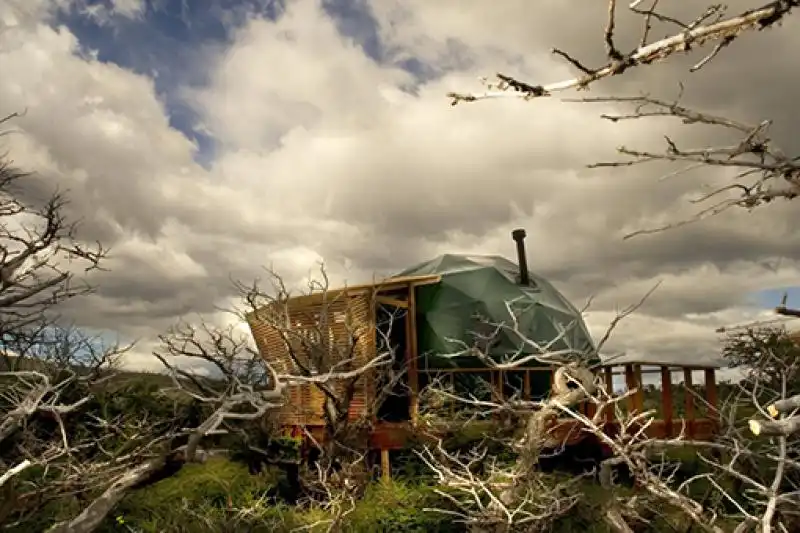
x,y
343,324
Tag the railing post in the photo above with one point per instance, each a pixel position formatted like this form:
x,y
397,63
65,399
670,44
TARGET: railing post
x,y
689,401
609,382
712,397
666,399
527,386
639,396
630,383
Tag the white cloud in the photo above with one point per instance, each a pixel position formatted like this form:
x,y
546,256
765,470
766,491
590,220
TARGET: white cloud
x,y
326,154
128,8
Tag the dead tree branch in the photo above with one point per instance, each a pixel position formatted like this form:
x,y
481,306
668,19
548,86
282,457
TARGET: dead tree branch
x,y
763,172
765,475
693,34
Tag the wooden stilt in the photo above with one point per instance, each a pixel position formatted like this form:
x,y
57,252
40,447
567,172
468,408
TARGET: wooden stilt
x,y
386,465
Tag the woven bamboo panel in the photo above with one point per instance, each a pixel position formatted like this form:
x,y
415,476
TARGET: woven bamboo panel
x,y
316,337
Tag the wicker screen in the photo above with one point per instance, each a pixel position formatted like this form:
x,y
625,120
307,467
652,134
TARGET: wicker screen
x,y
296,338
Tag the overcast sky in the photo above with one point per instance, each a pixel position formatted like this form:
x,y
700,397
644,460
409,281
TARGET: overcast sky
x,y
204,139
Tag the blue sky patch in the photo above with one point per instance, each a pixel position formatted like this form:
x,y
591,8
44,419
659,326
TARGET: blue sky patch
x,y
770,298
172,39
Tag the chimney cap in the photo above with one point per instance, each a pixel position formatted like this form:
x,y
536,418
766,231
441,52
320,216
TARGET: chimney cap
x,y
518,234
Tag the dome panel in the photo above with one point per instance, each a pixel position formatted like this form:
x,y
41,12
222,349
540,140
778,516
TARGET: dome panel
x,y
482,285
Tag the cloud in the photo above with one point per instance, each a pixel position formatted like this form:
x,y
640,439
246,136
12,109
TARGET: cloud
x,y
105,13
328,148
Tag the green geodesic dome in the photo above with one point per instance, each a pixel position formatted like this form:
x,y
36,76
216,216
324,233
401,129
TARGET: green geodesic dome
x,y
472,294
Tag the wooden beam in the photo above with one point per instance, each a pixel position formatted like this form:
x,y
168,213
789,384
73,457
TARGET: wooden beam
x,y
394,302
653,366
476,370
666,399
689,401
331,295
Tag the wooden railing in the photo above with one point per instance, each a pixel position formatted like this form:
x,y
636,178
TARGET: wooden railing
x,y
527,384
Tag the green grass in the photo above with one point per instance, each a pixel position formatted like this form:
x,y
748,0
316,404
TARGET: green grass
x,y
183,502
205,498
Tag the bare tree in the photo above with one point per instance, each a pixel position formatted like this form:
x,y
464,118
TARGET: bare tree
x,y
764,172
766,407
62,442
39,255
240,385
518,496
63,435
334,346
759,441
216,371
328,345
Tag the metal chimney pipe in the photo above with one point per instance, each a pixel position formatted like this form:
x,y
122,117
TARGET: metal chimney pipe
x,y
519,237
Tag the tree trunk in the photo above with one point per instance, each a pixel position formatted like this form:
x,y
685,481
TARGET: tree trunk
x,y
97,511
776,428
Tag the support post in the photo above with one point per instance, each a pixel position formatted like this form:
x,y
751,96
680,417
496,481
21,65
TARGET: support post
x,y
386,465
